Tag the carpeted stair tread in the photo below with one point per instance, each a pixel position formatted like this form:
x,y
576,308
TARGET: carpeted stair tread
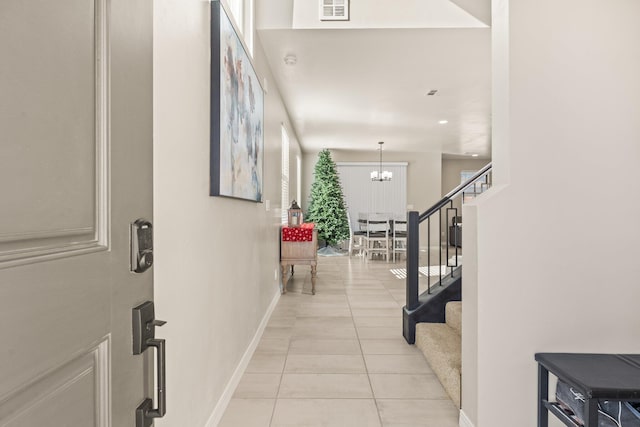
x,y
441,345
453,315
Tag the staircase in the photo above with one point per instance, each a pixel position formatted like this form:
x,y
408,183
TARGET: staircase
x,y
429,306
433,320
441,344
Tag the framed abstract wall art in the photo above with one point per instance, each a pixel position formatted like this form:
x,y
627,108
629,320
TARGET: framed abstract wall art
x,y
237,114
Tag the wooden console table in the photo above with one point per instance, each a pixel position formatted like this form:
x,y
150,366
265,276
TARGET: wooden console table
x,y
298,253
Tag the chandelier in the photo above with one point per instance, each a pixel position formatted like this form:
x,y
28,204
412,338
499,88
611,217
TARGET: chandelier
x,y
381,175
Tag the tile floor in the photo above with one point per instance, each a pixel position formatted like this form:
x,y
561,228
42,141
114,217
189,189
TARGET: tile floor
x,y
338,358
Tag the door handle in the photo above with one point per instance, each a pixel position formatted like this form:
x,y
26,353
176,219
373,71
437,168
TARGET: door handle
x,y
144,323
145,413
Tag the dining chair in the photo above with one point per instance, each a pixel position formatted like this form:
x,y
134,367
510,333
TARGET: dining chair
x,y
377,238
399,238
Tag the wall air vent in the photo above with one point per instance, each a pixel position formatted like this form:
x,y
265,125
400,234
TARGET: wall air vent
x,y
334,10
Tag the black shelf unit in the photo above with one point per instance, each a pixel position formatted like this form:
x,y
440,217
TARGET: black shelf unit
x,y
596,376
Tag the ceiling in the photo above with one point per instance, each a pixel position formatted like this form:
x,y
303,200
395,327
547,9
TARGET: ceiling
x,y
351,88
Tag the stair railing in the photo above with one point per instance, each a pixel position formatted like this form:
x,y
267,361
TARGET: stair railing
x,y
473,186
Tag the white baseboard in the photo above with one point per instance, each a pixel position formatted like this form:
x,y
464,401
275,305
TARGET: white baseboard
x,y
224,400
464,421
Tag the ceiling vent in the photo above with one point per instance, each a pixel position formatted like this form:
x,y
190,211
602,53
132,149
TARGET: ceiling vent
x,y
334,10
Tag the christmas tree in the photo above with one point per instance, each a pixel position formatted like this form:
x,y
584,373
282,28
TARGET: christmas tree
x,y
326,206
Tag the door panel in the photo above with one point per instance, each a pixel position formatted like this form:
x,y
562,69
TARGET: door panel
x,y
50,313
53,116
74,395
75,171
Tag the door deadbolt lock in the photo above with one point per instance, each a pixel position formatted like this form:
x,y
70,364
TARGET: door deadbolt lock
x,y
141,245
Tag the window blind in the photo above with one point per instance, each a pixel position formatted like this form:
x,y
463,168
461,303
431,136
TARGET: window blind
x,y
364,197
285,175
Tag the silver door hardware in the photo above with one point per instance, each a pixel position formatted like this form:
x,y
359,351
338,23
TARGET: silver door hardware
x,y
141,245
144,336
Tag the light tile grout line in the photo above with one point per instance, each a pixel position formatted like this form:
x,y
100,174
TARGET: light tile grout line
x,y
364,361
286,356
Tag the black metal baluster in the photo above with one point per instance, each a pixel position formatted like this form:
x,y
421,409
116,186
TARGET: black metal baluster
x,y
455,238
429,255
412,290
440,244
413,253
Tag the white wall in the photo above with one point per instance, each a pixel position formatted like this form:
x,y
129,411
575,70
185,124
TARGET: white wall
x,y
370,14
557,240
481,9
396,14
215,257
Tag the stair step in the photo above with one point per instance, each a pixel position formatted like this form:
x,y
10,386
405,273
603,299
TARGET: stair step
x,y
441,345
453,315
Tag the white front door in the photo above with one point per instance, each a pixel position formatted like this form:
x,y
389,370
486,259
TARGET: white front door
x,y
75,171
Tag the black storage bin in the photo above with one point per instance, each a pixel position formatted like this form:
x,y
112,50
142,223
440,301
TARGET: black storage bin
x,y
611,413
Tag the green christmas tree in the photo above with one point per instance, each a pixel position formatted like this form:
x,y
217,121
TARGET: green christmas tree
x,y
326,206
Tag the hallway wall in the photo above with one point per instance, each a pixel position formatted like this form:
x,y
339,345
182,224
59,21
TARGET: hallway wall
x,y
556,245
215,257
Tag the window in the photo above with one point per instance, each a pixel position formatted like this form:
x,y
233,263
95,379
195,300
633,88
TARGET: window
x,y
334,10
299,179
249,24
242,12
285,175
236,7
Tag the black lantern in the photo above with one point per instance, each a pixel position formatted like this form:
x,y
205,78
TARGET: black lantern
x,y
295,215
